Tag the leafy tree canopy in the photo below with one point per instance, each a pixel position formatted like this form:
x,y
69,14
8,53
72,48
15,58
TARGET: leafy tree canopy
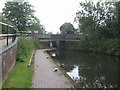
x,y
4,27
98,19
67,28
37,26
50,33
99,23
19,13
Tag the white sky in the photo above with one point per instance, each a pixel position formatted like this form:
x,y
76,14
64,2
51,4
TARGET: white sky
x,y
53,13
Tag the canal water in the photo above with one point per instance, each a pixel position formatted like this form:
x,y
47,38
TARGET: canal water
x,y
89,70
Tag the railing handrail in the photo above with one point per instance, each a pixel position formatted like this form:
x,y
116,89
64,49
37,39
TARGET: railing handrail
x,y
8,35
6,24
9,26
4,35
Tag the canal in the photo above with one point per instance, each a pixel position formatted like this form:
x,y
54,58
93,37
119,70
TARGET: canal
x,y
89,70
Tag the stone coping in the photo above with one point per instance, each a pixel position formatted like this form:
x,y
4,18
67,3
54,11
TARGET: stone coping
x,y
2,50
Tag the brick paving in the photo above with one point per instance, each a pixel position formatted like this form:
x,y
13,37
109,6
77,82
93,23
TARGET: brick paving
x,y
44,75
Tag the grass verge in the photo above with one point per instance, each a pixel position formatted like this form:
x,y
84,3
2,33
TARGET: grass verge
x,y
20,76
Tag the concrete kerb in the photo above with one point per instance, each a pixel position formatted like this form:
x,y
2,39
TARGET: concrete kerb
x,y
30,61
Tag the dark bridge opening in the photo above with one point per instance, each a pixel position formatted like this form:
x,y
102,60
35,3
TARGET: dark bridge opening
x,y
54,44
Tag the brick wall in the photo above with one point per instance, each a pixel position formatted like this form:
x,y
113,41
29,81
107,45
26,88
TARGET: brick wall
x,y
7,60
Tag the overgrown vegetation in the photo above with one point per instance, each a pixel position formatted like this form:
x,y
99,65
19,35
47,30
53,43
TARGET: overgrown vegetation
x,y
98,22
37,44
24,48
21,75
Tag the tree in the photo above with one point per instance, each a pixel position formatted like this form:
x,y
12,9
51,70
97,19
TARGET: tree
x,y
57,32
99,23
118,17
19,13
36,25
3,29
50,33
96,18
67,28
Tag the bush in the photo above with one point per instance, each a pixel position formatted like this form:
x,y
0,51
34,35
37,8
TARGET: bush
x,y
37,44
108,46
24,48
113,46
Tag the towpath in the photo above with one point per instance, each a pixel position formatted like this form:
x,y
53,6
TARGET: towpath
x,y
44,75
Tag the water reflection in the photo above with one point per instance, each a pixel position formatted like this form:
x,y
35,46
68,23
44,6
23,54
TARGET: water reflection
x,y
90,70
74,74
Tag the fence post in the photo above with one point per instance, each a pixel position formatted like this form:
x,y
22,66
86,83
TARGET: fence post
x,y
7,35
14,36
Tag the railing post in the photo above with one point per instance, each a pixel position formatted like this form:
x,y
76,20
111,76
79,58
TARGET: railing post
x,y
7,35
14,36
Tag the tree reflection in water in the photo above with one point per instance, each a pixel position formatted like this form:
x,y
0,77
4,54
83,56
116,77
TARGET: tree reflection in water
x,y
98,71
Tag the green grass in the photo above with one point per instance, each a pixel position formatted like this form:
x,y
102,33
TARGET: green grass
x,y
20,76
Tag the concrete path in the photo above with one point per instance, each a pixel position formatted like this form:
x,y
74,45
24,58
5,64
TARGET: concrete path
x,y
44,75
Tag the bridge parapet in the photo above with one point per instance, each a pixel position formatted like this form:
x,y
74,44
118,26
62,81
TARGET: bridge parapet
x,y
40,36
74,36
58,37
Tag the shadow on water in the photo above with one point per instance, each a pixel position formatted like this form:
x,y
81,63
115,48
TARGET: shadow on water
x,y
88,69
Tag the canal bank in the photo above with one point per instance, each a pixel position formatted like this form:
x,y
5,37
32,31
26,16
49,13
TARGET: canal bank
x,y
44,74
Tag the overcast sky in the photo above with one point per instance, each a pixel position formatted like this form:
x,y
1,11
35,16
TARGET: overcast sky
x,y
53,13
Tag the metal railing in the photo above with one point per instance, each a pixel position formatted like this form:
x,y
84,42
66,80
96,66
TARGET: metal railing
x,y
8,50
7,34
